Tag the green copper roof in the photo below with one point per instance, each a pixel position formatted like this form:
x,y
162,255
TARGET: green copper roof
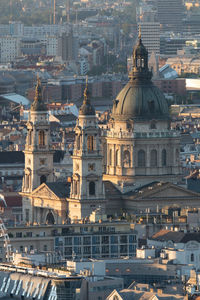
x,y
140,99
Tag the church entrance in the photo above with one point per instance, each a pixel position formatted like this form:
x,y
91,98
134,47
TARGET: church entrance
x,y
50,219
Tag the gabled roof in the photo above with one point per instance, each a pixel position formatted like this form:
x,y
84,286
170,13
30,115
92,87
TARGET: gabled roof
x,y
160,190
176,237
111,190
60,189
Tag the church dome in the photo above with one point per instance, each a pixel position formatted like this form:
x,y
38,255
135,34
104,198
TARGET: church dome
x,y
140,99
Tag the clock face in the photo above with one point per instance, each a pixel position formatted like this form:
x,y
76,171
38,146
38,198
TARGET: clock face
x,y
42,161
91,167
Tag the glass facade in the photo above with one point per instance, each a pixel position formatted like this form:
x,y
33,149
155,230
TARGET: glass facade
x,y
97,245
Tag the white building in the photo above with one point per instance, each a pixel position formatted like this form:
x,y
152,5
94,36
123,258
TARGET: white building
x,y
177,246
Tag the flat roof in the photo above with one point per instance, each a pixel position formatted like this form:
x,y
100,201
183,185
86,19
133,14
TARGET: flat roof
x,y
16,98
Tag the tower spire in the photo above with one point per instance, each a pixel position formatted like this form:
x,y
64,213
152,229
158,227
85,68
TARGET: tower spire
x,y
38,104
86,108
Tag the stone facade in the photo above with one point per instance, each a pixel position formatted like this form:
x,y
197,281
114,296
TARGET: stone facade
x,y
87,189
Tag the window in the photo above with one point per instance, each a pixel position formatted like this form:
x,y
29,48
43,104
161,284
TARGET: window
x,y
141,158
164,157
45,247
29,234
90,143
153,158
41,138
92,188
126,159
117,158
18,234
75,187
27,215
78,142
110,157
192,257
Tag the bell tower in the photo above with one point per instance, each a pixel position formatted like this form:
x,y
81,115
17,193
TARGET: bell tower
x,y
87,189
38,153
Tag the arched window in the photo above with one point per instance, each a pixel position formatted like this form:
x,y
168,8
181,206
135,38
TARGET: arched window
x,y
141,158
50,218
92,188
164,157
110,157
90,143
126,159
192,257
43,179
75,187
78,142
41,138
153,159
117,157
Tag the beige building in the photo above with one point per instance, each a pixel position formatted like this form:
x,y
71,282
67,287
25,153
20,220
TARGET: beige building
x,y
39,202
87,188
82,240
140,146
183,64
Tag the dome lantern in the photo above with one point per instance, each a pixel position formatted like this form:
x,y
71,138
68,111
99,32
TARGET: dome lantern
x,y
140,99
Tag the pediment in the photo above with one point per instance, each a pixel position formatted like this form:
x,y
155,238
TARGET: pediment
x,y
44,191
173,192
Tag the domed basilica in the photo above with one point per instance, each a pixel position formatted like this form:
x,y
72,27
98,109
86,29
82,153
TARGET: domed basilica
x,y
140,145
133,166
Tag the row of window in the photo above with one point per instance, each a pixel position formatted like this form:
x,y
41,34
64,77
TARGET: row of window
x,y
114,250
96,240
141,158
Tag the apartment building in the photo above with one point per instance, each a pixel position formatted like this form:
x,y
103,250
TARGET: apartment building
x,y
102,239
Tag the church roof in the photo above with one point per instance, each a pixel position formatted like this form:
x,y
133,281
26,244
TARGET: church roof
x,y
176,237
11,157
14,157
111,190
140,99
60,189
